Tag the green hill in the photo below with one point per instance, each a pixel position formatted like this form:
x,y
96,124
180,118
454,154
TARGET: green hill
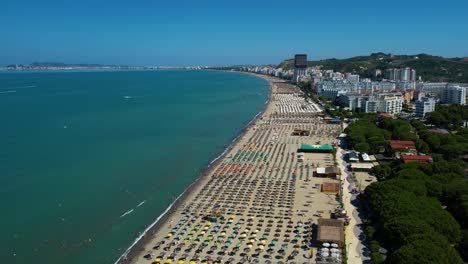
x,y
430,68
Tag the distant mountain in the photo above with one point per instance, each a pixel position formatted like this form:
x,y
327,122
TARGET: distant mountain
x,y
430,68
60,64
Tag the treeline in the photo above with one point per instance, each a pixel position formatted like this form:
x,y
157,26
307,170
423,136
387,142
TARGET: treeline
x,y
442,146
408,215
450,117
365,136
419,212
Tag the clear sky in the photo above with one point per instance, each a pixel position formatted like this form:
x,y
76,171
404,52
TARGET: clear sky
x,y
224,32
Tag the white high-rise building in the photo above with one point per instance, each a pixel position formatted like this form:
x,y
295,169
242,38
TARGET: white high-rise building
x,y
404,74
424,106
453,94
391,103
352,77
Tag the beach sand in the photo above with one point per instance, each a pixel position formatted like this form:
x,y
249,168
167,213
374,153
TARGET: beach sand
x,y
257,203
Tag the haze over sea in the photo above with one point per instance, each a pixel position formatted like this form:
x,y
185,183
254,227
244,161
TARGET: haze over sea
x,y
87,159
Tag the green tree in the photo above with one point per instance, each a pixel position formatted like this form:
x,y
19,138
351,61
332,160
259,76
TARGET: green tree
x,y
362,147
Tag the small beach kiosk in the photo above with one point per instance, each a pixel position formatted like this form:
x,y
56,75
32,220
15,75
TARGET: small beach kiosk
x,y
330,230
332,172
306,148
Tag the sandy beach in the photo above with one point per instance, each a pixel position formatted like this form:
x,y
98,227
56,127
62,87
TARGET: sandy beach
x,y
259,202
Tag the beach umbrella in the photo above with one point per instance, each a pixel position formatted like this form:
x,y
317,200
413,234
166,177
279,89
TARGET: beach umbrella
x,y
326,244
157,260
168,261
334,245
180,262
335,255
325,254
324,249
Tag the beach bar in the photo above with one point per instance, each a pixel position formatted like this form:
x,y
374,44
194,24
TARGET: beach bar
x,y
327,172
330,231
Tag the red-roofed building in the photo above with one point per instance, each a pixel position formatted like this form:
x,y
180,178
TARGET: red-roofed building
x,y
385,115
416,158
402,144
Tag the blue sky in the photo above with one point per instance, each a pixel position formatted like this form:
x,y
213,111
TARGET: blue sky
x,y
222,32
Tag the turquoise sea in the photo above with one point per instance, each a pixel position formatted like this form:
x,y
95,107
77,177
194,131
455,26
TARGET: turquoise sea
x,y
80,150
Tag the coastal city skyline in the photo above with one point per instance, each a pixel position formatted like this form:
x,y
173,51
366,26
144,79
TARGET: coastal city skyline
x,y
234,132
214,33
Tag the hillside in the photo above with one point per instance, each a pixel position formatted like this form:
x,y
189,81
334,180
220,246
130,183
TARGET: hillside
x,y
430,68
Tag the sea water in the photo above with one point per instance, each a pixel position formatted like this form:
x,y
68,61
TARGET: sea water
x,y
89,159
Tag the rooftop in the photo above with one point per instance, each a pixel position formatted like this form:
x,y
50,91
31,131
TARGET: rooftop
x,y
402,144
306,147
330,230
416,158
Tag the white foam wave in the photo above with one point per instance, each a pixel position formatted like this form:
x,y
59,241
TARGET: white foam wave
x,y
140,204
127,213
22,87
10,91
149,227
224,152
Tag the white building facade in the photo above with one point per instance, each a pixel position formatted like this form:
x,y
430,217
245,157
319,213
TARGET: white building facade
x,y
424,106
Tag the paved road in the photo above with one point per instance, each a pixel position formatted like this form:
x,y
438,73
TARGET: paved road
x,y
354,234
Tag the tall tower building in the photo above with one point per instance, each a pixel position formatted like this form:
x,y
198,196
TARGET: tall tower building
x,y
300,67
413,75
405,74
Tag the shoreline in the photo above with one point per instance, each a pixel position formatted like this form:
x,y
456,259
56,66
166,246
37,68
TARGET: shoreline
x,y
138,244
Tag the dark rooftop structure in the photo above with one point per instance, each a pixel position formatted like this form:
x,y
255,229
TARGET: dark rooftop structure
x,y
353,156
300,61
301,132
